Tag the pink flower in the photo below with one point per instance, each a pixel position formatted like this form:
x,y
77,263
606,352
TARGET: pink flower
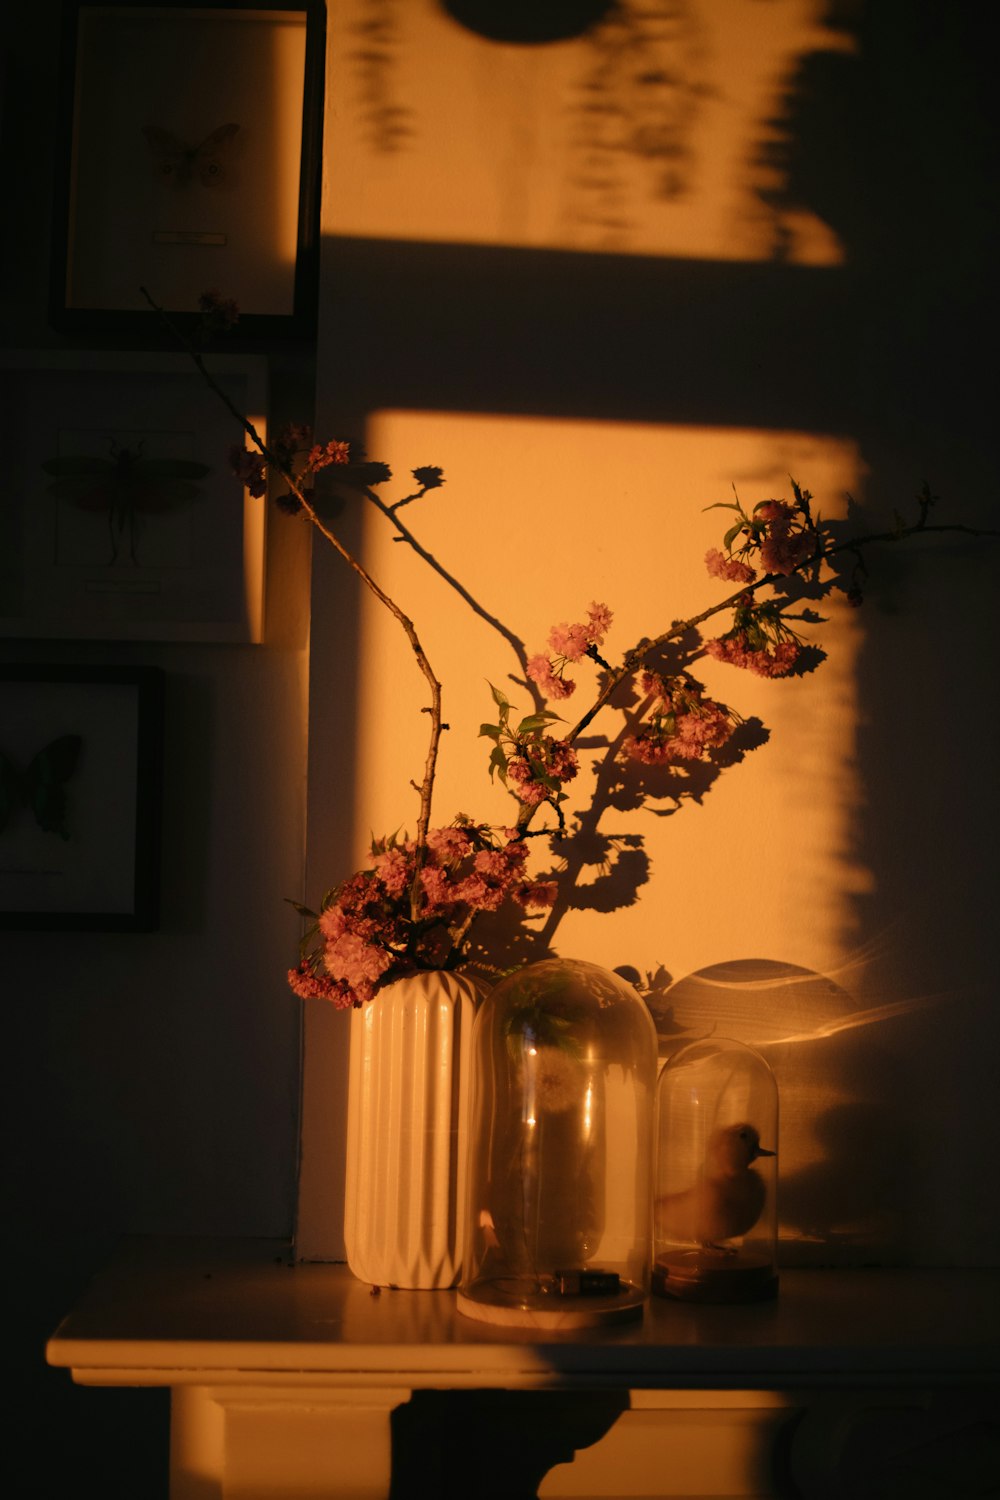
x,y
526,789
539,669
599,618
492,863
704,727
728,568
569,641
437,887
681,724
250,468
476,891
310,986
776,662
537,894
324,454
448,843
394,871
645,747
783,553
776,512
562,760
332,923
352,959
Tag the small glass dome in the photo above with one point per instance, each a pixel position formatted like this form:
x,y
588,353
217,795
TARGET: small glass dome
x,y
560,1155
715,1209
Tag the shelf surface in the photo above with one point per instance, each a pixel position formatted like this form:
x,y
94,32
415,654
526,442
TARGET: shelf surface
x,y
184,1311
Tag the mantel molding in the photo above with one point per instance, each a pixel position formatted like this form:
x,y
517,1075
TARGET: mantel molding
x,y
285,1377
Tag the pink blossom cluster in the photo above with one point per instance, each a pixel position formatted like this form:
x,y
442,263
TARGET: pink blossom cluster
x,y
772,660
681,724
568,643
785,545
728,568
410,908
294,438
539,766
249,468
760,641
321,455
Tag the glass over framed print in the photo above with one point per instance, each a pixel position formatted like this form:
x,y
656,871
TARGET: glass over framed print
x,y
122,517
81,756
189,150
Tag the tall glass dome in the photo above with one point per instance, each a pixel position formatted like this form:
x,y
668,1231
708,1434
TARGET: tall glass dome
x,y
715,1208
560,1156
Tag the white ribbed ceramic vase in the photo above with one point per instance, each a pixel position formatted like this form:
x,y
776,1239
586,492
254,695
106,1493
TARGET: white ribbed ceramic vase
x,y
408,1098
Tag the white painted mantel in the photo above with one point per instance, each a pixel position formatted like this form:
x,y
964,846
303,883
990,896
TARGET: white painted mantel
x,y
284,1376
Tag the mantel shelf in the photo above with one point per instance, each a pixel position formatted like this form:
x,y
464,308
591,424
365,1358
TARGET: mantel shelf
x,y
193,1311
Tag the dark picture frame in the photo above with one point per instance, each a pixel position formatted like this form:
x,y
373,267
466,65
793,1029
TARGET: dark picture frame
x,y
190,140
81,761
99,537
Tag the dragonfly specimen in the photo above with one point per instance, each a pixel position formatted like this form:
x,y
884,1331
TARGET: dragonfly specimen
x,y
125,487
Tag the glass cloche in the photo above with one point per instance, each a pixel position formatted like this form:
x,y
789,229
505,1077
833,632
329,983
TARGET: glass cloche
x,y
560,1156
715,1209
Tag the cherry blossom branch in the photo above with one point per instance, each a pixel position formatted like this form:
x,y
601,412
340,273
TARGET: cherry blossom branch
x,y
678,628
426,787
406,535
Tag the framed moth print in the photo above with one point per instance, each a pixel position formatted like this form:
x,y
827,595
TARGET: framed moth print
x,y
189,152
122,518
80,780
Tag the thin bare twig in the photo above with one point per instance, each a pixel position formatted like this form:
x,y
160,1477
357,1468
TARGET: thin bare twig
x,y
426,787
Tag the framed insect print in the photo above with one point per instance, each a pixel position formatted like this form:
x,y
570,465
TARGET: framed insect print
x,y
189,156
122,518
80,780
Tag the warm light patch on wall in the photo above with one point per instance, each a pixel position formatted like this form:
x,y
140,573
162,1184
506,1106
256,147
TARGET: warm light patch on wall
x,y
667,130
536,519
254,528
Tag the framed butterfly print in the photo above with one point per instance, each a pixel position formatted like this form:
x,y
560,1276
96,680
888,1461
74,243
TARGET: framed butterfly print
x,y
80,781
188,162
121,517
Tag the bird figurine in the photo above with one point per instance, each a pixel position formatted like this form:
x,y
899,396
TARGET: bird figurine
x,y
729,1198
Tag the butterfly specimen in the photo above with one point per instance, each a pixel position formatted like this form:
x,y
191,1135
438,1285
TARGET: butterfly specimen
x,y
179,164
125,486
42,786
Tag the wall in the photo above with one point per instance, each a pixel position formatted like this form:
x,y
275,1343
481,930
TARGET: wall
x,y
151,1079
601,282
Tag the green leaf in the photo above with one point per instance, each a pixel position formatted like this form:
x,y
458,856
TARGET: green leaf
x,y
533,722
498,763
500,699
492,731
731,535
303,911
